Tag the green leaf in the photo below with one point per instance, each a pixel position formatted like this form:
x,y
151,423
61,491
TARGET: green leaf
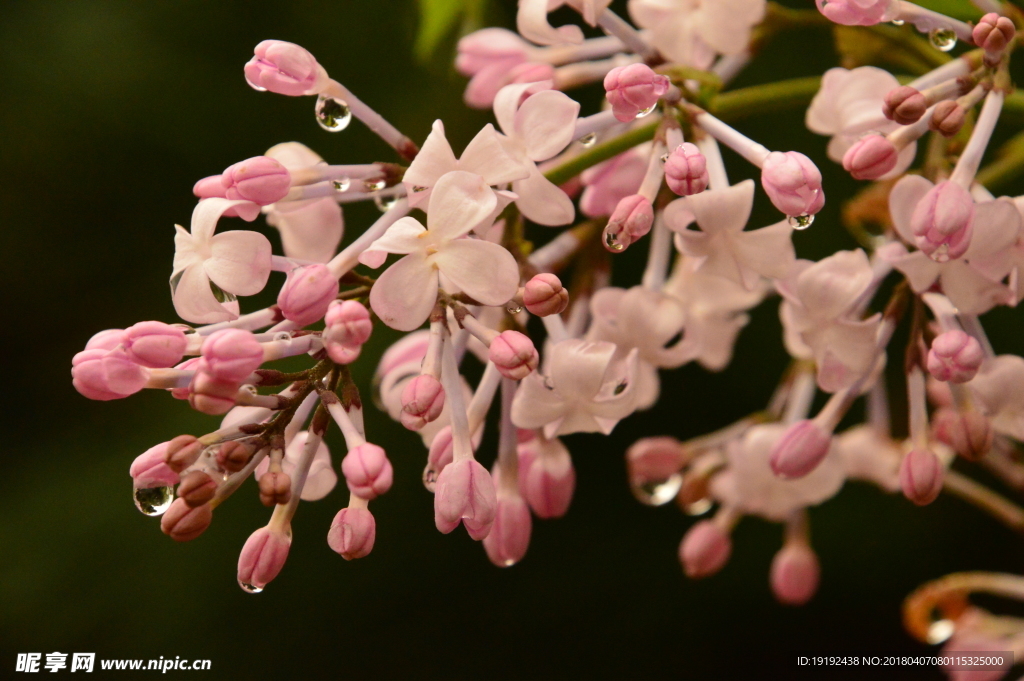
x,y
438,19
958,9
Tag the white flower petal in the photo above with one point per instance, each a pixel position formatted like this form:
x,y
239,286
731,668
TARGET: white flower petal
x,y
485,156
205,216
404,237
310,230
434,159
484,271
545,124
239,262
506,102
194,300
405,293
542,201
460,201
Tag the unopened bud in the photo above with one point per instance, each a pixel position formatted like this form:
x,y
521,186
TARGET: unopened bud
x,y
352,533
947,118
307,293
993,33
943,221
514,355
285,68
107,374
800,449
262,558
631,219
275,488
544,295
793,183
904,105
969,433
795,573
955,357
705,549
422,401
465,493
231,354
633,90
870,157
921,475
510,535
182,452
232,456
197,488
686,170
184,523
367,471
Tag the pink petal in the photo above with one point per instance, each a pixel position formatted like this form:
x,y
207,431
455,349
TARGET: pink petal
x,y
545,124
459,202
542,201
239,262
484,271
402,237
486,157
194,300
310,230
434,160
405,293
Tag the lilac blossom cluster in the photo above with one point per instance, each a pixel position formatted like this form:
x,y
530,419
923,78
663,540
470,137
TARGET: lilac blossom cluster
x,y
646,166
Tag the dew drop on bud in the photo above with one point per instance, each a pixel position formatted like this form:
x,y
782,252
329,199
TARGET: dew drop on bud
x,y
429,478
799,222
664,159
897,22
940,631
658,492
699,507
385,203
342,184
648,110
940,254
419,190
514,309
588,139
374,185
249,588
509,562
611,240
942,39
332,113
153,500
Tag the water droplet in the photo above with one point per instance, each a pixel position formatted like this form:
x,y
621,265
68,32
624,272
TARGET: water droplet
x,y
430,478
332,114
509,562
664,159
942,39
385,203
647,111
940,630
658,492
374,185
419,190
514,309
548,384
800,222
249,588
897,22
153,500
588,139
699,507
940,254
257,88
611,241
621,388
342,184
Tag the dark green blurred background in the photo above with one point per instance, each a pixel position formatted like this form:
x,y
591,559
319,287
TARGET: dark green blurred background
x,y
110,112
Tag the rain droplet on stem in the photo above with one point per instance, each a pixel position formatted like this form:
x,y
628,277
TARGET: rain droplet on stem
x,y
648,110
699,507
799,222
249,588
514,309
385,203
897,22
342,184
658,492
940,631
332,113
612,243
940,254
374,185
942,39
588,139
153,500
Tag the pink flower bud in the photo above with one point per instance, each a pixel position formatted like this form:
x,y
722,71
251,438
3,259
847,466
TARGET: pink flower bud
x,y
190,364
307,293
704,550
921,475
275,488
993,33
531,72
609,182
211,395
260,179
858,12
943,221
650,462
438,456
182,523
233,456
181,452
800,449
367,471
904,105
231,355
631,219
969,433
795,574
150,469
510,536
422,401
490,47
465,493
955,357
544,295
106,374
947,118
347,323
105,340
686,170
870,157
513,354
284,68
262,558
633,89
352,533
793,183
197,488
547,479
209,188
154,344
